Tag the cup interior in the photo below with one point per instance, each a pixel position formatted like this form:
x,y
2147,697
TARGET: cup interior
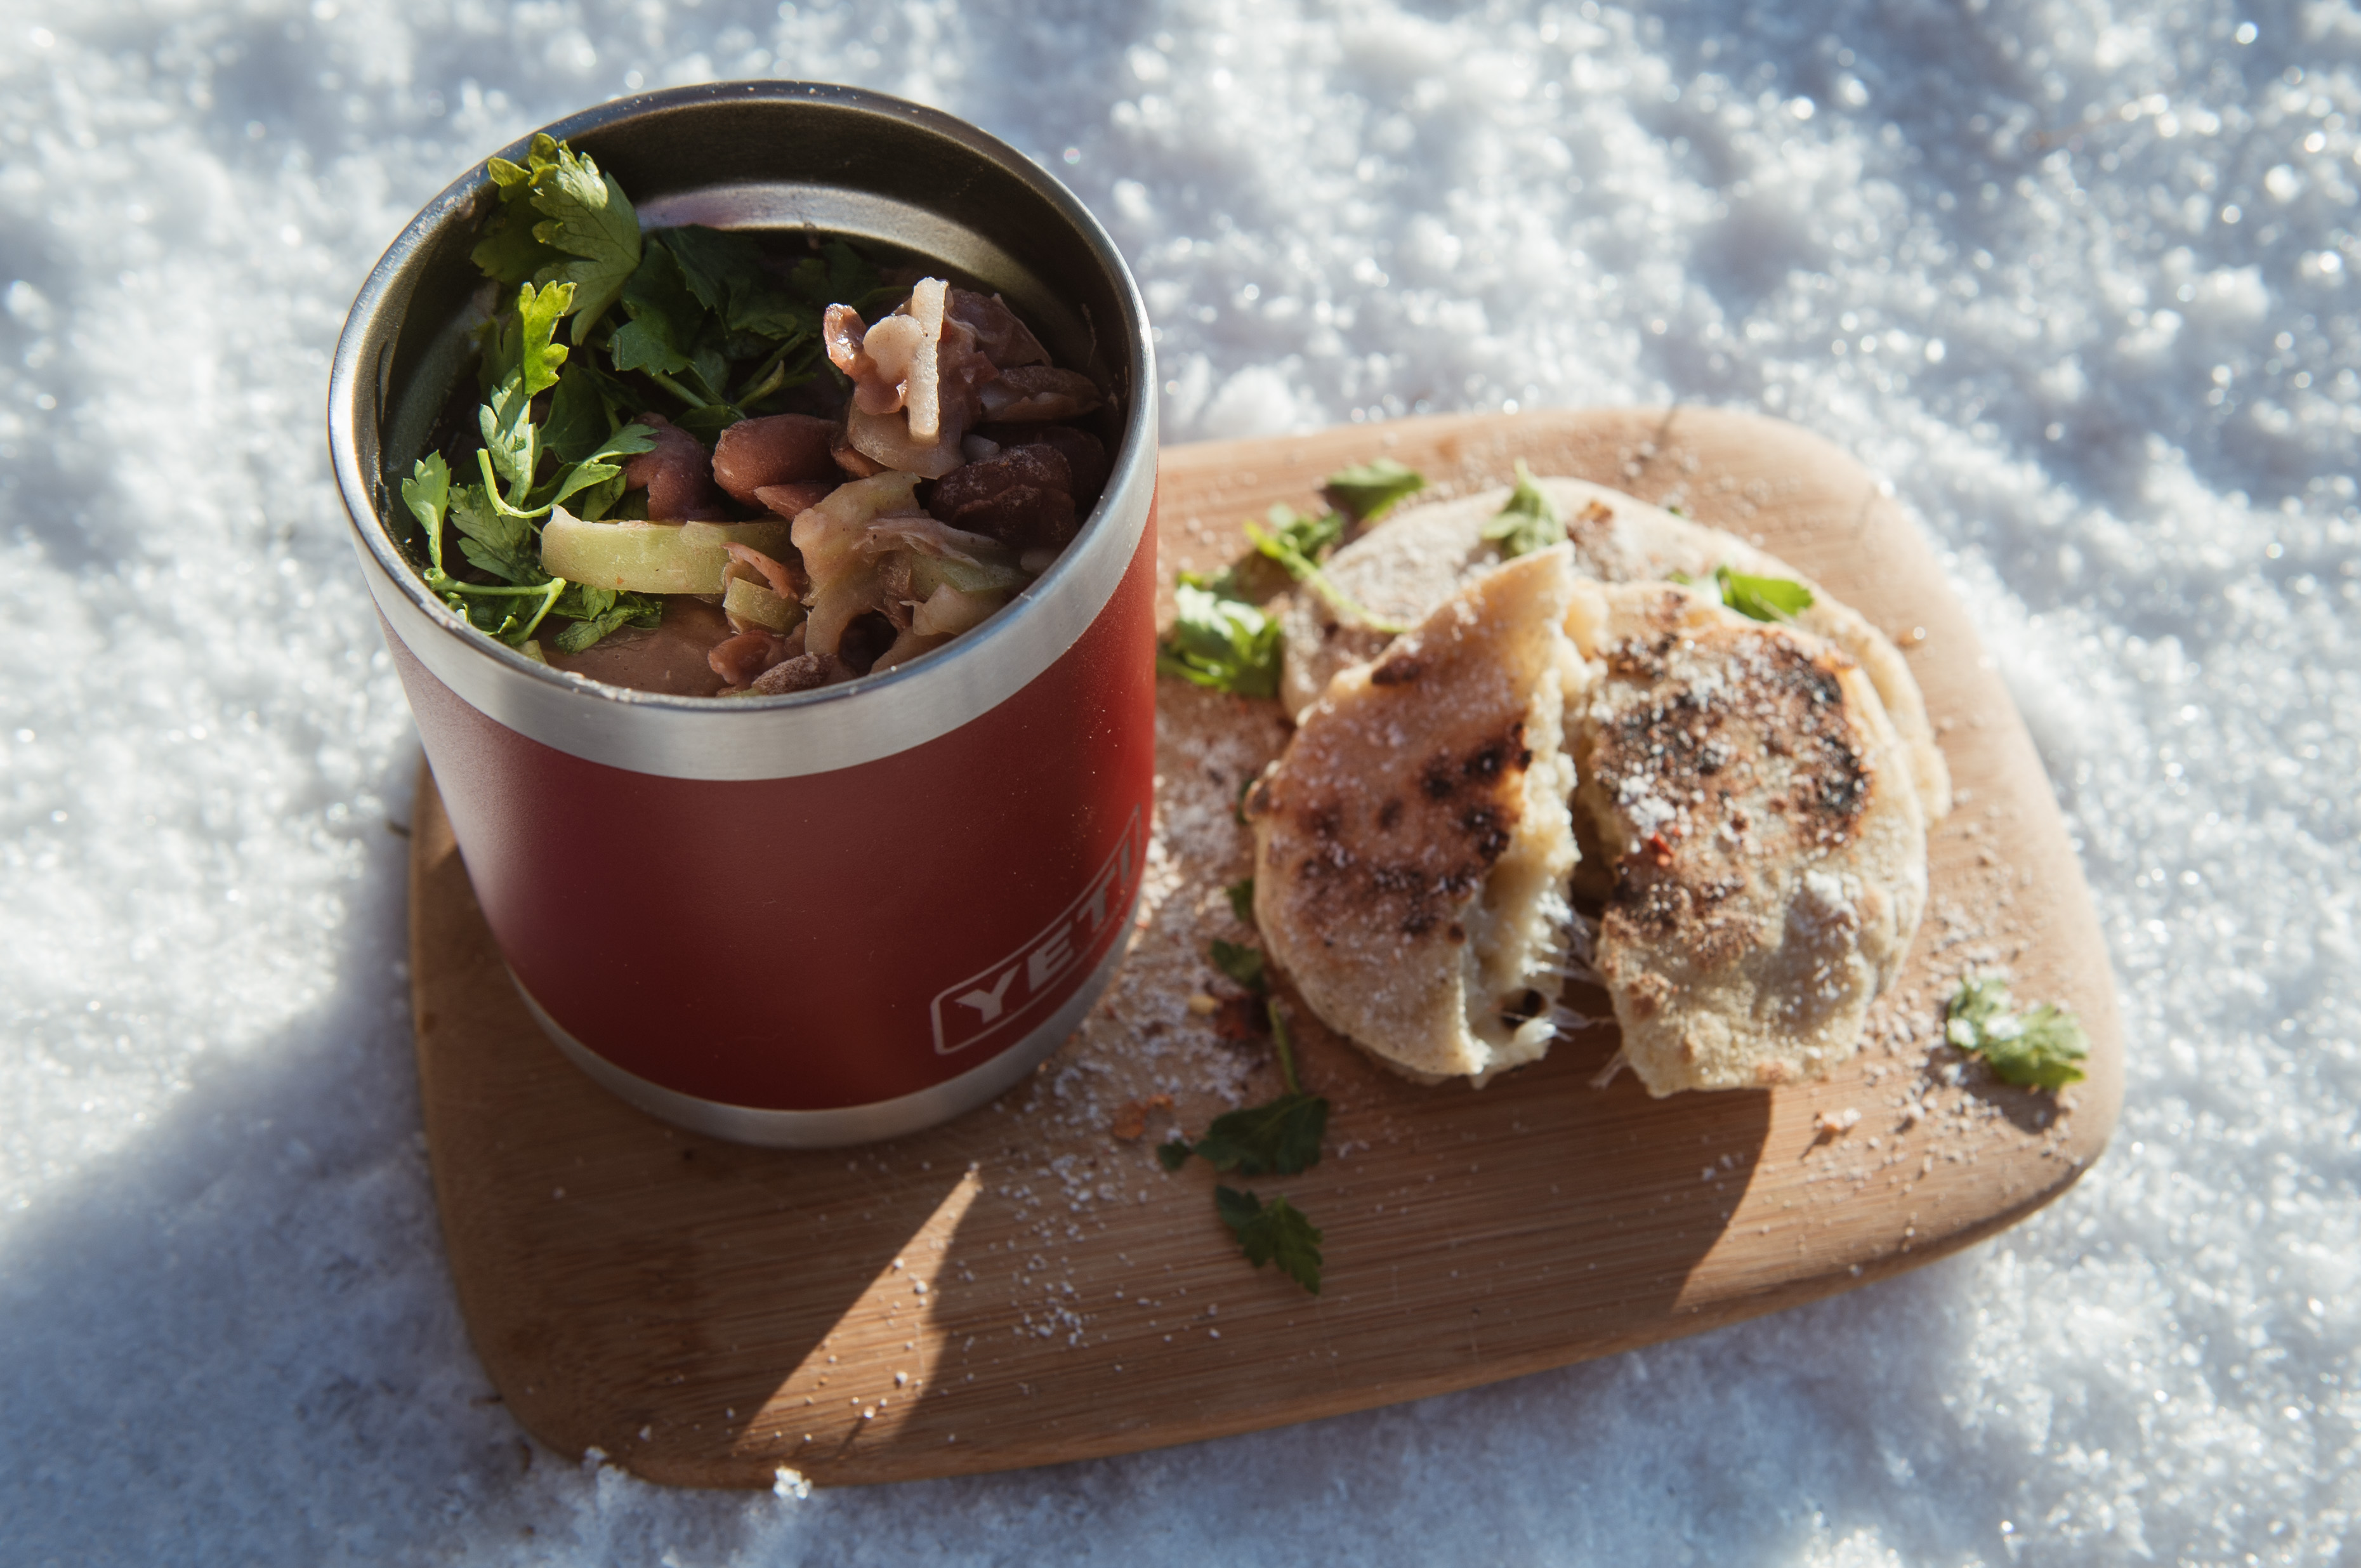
x,y
903,182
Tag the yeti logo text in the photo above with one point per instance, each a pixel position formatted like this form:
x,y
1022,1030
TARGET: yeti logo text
x,y
1026,985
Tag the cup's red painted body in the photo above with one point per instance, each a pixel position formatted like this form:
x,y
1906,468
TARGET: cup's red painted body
x,y
840,915
834,940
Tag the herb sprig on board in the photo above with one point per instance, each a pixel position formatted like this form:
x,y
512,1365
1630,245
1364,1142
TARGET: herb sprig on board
x,y
2041,1048
1280,1136
1223,637
1370,490
1527,521
1220,641
1757,598
1762,598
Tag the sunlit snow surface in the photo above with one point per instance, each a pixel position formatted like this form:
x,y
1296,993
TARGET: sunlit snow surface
x,y
2078,281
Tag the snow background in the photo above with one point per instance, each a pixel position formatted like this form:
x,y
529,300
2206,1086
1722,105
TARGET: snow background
x,y
2078,278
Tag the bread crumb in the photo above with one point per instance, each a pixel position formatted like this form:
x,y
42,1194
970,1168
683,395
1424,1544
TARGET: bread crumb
x,y
1131,1118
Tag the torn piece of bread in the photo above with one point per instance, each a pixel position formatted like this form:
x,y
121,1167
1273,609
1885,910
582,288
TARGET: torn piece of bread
x,y
1769,852
1412,845
1421,556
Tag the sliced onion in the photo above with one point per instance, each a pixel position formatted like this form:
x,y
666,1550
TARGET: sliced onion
x,y
830,534
651,557
837,602
758,606
907,647
885,438
922,394
948,611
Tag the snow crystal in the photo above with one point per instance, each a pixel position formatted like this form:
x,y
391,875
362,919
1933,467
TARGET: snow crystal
x,y
2078,278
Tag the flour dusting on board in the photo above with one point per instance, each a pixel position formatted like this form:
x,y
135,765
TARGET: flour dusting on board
x,y
1163,1054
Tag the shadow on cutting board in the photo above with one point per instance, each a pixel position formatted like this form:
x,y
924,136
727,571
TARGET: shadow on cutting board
x,y
1019,1287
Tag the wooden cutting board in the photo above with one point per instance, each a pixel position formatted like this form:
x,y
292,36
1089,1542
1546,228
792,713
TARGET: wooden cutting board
x,y
1027,1284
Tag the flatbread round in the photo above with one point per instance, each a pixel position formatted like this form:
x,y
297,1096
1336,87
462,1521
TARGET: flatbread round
x,y
1412,845
1417,558
1769,852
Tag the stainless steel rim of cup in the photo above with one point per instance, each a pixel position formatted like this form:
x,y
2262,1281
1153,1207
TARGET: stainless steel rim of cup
x,y
851,1124
763,738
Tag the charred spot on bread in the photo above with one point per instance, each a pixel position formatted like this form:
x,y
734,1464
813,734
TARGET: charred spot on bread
x,y
1769,854
1487,761
1438,893
1424,553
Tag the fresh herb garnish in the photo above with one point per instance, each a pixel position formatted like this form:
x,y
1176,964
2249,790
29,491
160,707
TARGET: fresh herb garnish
x,y
1762,598
1221,637
1275,1232
1296,542
1241,894
1759,598
2042,1048
504,545
1222,642
562,220
1242,962
1528,521
497,521
1279,1137
708,327
1370,490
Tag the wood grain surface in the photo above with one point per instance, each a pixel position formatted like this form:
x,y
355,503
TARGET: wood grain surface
x,y
1027,1284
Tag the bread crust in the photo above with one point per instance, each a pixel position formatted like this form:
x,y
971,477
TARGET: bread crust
x,y
1768,852
1420,557
1413,844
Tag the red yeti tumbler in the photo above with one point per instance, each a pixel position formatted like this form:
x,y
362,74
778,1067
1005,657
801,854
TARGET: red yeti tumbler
x,y
831,916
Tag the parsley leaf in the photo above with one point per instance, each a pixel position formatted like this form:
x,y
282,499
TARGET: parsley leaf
x,y
1762,598
2041,1049
502,544
1371,489
725,271
539,354
1224,644
669,320
579,416
585,215
630,609
1295,541
496,541
511,448
1297,536
838,275
508,253
1241,900
1275,1232
1243,964
1281,1137
597,467
1528,522
427,493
